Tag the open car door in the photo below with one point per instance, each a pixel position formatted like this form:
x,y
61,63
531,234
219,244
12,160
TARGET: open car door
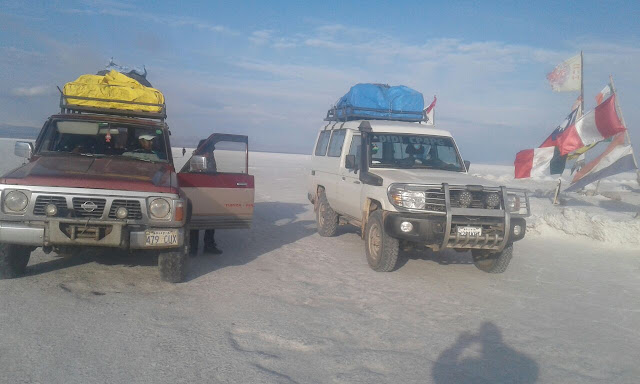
x,y
216,180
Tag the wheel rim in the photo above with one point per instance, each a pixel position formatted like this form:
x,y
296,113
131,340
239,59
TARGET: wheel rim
x,y
375,242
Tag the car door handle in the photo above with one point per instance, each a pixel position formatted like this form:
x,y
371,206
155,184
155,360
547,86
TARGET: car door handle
x,y
343,178
241,184
356,182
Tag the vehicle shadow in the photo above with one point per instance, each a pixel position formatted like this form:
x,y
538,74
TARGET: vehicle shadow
x,y
445,257
275,224
89,255
496,362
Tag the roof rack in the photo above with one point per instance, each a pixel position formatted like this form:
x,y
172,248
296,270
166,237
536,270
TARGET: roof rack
x,y
348,113
66,107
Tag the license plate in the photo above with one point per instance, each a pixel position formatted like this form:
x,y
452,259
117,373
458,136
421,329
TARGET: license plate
x,y
471,231
159,238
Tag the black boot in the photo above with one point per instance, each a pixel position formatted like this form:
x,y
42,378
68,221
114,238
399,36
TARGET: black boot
x,y
210,245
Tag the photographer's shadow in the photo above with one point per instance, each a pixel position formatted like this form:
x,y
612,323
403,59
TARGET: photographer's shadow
x,y
497,363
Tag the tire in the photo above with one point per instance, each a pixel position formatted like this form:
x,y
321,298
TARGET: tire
x,y
381,249
173,265
326,217
492,262
13,260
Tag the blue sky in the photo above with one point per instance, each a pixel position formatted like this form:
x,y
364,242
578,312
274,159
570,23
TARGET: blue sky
x,y
272,69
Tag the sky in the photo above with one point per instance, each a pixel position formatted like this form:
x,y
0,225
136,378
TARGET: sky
x,y
271,69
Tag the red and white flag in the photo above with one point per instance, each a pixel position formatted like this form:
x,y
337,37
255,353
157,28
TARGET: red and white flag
x,y
595,126
533,162
605,93
430,112
567,76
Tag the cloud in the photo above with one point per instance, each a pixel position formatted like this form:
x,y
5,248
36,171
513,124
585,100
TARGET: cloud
x,y
260,37
128,11
39,90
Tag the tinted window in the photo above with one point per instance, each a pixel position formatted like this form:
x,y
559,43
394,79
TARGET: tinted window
x,y
100,139
323,140
337,140
390,150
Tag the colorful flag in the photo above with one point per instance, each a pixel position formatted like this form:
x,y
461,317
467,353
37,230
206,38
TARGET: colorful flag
x,y
604,94
576,112
430,112
567,76
538,162
595,126
617,158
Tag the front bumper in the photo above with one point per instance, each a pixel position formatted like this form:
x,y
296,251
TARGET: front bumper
x,y
440,229
430,230
78,233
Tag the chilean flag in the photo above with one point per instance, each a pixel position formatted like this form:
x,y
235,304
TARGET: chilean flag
x,y
595,126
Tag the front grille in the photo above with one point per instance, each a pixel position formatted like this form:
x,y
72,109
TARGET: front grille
x,y
478,199
133,206
88,203
42,201
435,200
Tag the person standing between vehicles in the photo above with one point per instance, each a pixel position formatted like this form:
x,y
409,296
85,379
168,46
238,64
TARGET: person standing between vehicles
x,y
210,245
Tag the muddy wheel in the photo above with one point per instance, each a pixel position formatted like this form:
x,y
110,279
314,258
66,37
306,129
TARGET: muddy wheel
x,y
381,249
326,217
492,262
13,260
173,265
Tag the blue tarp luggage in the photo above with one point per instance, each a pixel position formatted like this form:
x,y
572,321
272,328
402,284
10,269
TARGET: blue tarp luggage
x,y
378,101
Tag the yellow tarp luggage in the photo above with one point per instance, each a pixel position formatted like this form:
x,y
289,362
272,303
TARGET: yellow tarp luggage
x,y
113,86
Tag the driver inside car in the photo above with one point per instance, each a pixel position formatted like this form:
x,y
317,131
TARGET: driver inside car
x,y
145,149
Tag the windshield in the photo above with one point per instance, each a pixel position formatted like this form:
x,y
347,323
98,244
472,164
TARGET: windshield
x,y
414,151
88,138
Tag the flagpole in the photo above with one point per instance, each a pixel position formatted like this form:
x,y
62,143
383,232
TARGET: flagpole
x,y
581,82
626,131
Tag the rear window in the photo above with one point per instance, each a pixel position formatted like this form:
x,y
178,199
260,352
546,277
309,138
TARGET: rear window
x,y
337,140
323,141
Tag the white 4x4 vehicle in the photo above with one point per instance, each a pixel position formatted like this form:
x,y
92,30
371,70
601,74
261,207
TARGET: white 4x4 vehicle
x,y
404,184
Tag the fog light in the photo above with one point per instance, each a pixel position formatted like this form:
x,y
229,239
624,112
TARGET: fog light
x,y
122,213
51,210
492,200
465,199
406,226
517,230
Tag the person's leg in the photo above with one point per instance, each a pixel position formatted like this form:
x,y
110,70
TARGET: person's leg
x,y
210,245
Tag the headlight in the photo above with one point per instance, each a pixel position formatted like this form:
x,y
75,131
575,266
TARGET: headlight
x,y
16,201
513,203
407,199
159,208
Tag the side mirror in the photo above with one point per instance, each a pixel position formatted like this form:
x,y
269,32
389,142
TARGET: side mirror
x,y
351,163
467,164
198,163
23,149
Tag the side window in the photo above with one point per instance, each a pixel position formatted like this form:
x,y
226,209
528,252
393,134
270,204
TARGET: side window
x,y
354,149
221,156
323,141
337,141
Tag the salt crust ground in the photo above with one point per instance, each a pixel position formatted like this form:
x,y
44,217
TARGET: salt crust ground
x,y
283,305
